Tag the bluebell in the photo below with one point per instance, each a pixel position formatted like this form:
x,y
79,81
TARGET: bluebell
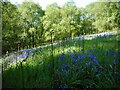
x,y
95,62
63,56
113,63
63,66
15,58
107,52
75,61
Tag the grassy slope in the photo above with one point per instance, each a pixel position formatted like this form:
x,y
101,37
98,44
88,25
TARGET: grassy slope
x,y
37,70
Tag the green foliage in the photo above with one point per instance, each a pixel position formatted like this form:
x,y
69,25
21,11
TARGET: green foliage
x,y
27,25
31,20
11,28
105,15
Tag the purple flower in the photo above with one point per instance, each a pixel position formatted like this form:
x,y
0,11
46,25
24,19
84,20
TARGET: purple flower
x,y
67,39
95,62
82,57
113,53
98,36
98,52
71,56
65,86
76,39
75,61
23,55
63,56
91,56
63,66
15,59
117,57
113,63
68,65
107,52
64,72
77,55
27,51
91,50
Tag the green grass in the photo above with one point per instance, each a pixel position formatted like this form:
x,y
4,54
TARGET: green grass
x,y
64,68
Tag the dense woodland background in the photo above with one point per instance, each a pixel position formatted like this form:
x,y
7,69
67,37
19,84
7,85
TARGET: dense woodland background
x,y
27,25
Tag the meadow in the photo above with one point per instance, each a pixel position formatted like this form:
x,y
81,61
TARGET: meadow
x,y
75,63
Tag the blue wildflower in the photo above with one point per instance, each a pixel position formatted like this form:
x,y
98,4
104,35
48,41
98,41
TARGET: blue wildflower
x,y
23,55
76,39
82,57
64,72
98,52
65,86
75,61
95,62
63,66
113,53
117,57
27,51
78,56
67,39
71,56
113,63
15,58
91,50
63,56
68,65
91,56
98,36
107,52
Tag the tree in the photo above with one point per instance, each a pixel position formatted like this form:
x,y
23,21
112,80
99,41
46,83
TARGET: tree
x,y
31,19
10,26
69,16
105,15
51,21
